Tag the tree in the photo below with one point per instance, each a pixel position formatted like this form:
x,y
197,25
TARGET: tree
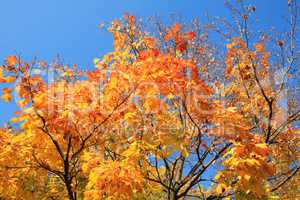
x,y
160,117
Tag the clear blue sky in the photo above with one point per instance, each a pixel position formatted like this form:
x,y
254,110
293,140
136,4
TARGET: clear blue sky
x,y
45,28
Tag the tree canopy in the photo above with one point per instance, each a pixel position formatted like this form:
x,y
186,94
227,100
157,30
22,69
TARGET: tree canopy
x,y
166,114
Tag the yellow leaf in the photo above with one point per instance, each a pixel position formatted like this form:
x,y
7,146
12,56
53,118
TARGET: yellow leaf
x,y
184,151
113,81
170,96
231,109
96,61
22,103
247,177
6,97
14,120
129,116
221,188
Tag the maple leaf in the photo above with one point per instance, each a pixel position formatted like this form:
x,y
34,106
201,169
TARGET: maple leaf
x,y
11,60
22,103
259,47
6,97
145,124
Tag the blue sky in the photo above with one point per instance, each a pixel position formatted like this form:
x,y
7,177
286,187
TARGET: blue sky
x,y
45,28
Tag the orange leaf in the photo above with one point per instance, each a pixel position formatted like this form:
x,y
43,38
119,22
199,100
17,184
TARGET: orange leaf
x,y
190,35
22,103
176,28
6,90
259,47
11,60
6,97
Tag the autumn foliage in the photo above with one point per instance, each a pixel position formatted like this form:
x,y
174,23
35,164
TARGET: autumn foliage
x,y
159,117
